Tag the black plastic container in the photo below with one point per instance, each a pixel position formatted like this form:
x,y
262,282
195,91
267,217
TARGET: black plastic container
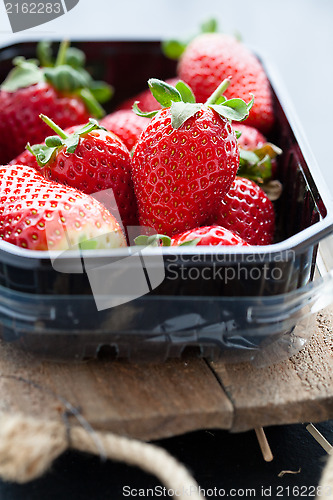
x,y
218,303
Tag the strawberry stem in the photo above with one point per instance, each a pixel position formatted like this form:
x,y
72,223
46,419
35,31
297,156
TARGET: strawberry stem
x,y
53,126
218,92
61,57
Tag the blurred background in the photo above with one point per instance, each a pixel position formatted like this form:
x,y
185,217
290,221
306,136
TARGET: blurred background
x,y
296,36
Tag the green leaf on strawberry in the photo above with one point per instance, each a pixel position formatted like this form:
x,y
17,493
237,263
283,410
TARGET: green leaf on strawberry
x,y
66,74
25,73
248,156
233,109
163,240
53,141
182,111
173,49
209,26
220,100
190,243
66,79
257,164
93,106
101,91
44,53
144,114
154,240
75,58
45,152
164,93
185,92
71,143
181,101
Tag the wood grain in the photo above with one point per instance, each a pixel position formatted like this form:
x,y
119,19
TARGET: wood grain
x,y
150,401
299,389
143,401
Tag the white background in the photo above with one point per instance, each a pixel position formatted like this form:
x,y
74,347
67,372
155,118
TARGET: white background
x,y
296,35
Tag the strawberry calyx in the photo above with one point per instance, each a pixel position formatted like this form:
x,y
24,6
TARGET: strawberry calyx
x,y
181,101
44,153
25,73
256,164
66,74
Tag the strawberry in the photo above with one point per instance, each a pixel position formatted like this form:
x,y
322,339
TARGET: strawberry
x,y
247,211
187,157
126,125
208,235
41,215
146,99
211,57
91,159
63,90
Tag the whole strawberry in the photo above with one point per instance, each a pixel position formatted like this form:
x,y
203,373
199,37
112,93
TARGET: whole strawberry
x,y
247,211
37,214
186,159
90,159
208,235
211,57
62,89
126,125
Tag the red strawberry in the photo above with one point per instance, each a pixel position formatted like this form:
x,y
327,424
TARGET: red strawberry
x,y
126,125
208,235
211,57
186,159
63,92
145,99
91,160
247,211
41,215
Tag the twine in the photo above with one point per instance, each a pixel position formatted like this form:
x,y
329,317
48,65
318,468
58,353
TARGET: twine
x,y
325,491
29,446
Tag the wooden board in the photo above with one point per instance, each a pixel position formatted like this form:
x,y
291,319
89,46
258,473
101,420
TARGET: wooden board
x,y
156,401
299,389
